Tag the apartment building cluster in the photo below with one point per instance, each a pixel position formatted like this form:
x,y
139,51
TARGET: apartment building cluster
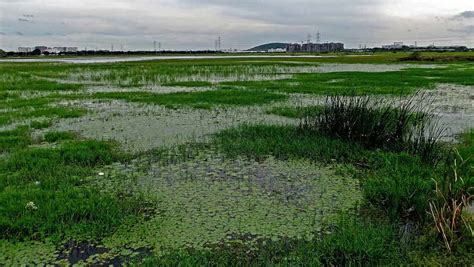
x,y
315,47
50,50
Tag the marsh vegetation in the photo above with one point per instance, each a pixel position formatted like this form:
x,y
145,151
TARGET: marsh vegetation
x,y
268,161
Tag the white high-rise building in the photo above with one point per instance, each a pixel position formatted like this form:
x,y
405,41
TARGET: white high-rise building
x,y
25,49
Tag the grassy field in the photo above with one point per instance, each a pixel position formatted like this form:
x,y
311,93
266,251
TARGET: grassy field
x,y
266,161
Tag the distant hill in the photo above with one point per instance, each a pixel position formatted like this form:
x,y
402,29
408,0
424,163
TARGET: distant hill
x,y
266,47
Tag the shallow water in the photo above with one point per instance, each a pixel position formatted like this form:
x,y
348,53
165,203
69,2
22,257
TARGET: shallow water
x,y
140,127
87,60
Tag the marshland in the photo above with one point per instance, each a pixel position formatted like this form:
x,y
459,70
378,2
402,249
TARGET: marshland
x,y
314,161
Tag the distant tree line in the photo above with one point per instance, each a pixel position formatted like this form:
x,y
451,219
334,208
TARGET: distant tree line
x,y
37,52
424,49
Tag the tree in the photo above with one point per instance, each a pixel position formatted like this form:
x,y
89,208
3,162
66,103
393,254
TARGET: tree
x,y
36,52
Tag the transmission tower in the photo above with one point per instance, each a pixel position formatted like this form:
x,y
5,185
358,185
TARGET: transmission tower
x,y
219,43
318,37
309,38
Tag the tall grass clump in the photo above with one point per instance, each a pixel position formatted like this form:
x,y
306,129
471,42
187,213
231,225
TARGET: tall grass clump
x,y
453,195
380,123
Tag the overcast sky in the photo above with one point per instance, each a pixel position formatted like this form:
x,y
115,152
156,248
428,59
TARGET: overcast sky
x,y
195,24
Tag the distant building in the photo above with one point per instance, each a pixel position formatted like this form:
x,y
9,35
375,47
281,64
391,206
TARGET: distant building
x,y
65,49
396,45
292,48
315,47
25,49
71,49
276,50
50,50
60,49
41,48
452,48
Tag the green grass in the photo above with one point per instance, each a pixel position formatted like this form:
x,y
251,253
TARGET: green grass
x,y
41,111
14,139
204,99
399,184
352,242
466,151
340,83
190,84
41,124
15,81
53,179
356,242
8,95
295,112
52,137
379,123
394,82
285,142
409,178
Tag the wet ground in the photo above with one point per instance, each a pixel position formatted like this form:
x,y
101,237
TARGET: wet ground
x,y
140,127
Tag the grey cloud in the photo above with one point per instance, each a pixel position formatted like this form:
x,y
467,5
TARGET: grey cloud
x,y
297,12
464,15
192,24
467,14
